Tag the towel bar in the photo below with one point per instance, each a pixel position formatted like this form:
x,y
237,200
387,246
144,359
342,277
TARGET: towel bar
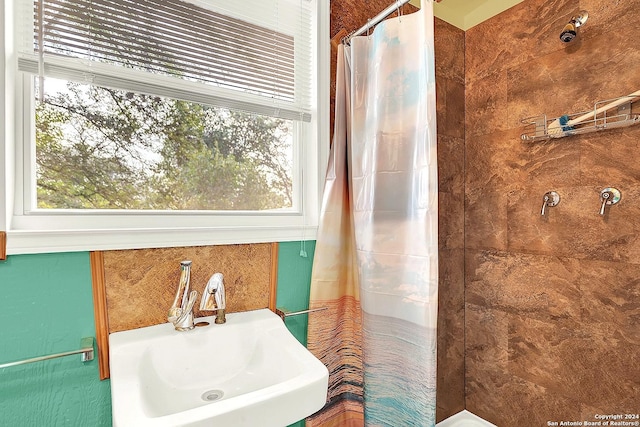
x,y
86,350
282,312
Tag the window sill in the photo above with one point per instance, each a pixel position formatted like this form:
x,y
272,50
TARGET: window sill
x,y
27,242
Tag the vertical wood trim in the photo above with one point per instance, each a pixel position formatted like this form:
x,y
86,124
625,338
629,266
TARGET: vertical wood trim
x,y
3,245
100,311
273,280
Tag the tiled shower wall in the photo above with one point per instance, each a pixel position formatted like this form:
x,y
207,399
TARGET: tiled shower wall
x,y
450,92
552,303
349,15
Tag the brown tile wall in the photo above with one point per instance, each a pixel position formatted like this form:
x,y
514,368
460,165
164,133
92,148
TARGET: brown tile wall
x,y
450,94
552,308
348,15
141,284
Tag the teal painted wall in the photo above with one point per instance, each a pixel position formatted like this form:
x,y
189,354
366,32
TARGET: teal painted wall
x,y
47,307
294,280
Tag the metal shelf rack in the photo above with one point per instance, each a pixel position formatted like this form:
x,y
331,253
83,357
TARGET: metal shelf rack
x,y
602,117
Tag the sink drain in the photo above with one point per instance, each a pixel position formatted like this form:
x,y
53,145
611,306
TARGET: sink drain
x,y
212,395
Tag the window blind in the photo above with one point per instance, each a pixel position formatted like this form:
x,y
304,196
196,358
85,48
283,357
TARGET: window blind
x,y
263,53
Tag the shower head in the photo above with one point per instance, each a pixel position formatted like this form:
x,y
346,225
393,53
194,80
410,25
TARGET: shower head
x,y
570,31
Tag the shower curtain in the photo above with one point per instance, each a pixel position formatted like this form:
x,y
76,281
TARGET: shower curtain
x,y
376,260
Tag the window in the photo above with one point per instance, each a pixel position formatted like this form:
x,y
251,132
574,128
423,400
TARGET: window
x,y
146,123
101,148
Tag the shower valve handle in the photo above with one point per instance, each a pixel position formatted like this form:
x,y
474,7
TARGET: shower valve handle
x,y
605,198
609,196
550,198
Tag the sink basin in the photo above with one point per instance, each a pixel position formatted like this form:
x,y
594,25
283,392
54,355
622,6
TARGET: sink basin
x,y
249,371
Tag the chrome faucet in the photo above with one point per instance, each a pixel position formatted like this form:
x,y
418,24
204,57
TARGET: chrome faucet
x,y
213,297
182,316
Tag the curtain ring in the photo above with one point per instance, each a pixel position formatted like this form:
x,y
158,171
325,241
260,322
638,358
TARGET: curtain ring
x,y
399,11
368,27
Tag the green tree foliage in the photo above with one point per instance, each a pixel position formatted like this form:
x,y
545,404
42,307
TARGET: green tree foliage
x,y
99,148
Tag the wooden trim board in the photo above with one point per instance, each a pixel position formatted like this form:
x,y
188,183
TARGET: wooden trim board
x,y
273,280
3,245
100,311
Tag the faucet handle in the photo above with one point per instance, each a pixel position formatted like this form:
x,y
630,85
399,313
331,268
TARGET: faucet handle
x,y
213,297
550,198
193,296
179,304
184,321
604,196
609,196
213,294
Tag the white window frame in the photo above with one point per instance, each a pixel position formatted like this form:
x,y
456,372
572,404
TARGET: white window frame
x,y
62,231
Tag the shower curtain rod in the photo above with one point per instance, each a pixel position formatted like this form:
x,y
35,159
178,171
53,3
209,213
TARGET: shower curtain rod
x,y
378,18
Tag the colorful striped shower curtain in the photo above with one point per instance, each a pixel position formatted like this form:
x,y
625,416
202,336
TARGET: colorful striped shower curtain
x,y
376,258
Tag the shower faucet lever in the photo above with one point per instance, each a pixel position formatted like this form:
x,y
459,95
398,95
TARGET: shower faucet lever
x,y
609,196
550,198
605,198
545,200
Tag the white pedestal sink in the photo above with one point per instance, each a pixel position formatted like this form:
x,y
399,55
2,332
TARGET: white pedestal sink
x,y
249,372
